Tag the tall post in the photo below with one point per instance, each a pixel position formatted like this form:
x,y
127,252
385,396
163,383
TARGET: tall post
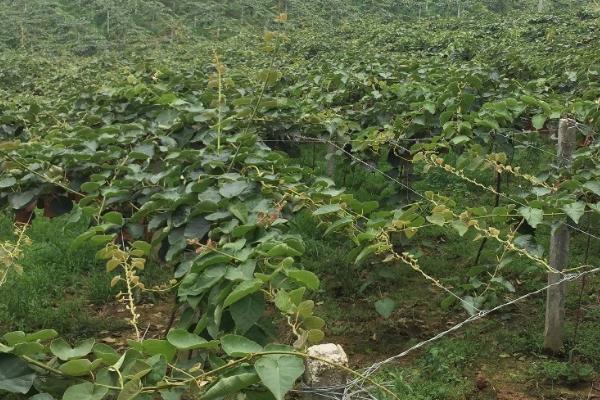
x,y
540,6
559,251
331,154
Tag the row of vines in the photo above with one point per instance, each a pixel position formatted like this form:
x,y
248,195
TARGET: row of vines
x,y
184,155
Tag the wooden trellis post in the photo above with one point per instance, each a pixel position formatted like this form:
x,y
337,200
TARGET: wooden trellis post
x,y
559,251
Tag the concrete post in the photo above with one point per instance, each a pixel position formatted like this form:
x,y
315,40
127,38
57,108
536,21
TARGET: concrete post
x,y
559,252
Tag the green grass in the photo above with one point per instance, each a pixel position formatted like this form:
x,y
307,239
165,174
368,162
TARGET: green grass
x,y
60,284
448,369
441,372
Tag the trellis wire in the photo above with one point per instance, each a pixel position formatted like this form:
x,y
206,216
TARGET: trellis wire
x,y
525,143
333,391
522,204
359,160
389,177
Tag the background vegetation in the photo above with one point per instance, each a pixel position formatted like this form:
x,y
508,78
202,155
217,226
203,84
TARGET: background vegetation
x,y
268,131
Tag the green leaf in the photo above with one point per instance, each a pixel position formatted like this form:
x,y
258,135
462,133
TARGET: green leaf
x,y
268,76
7,182
113,217
15,374
283,301
313,322
172,394
436,219
210,259
102,239
5,349
367,251
78,367
593,186
90,187
306,277
194,284
240,211
339,224
184,340
279,373
231,385
65,352
533,216
328,209
460,227
130,390
143,246
283,250
28,349
42,396
575,210
85,391
488,123
471,304
385,307
244,289
315,336
540,191
106,353
297,295
197,228
248,311
167,119
43,335
233,189
157,346
15,337
305,308
20,200
460,139
239,346
159,369
142,152
429,106
538,121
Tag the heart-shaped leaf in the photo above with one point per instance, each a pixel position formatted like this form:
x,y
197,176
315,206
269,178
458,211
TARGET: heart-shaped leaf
x,y
385,307
575,210
61,349
533,216
279,373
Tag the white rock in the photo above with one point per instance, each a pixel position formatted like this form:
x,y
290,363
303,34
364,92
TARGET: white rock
x,y
320,374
